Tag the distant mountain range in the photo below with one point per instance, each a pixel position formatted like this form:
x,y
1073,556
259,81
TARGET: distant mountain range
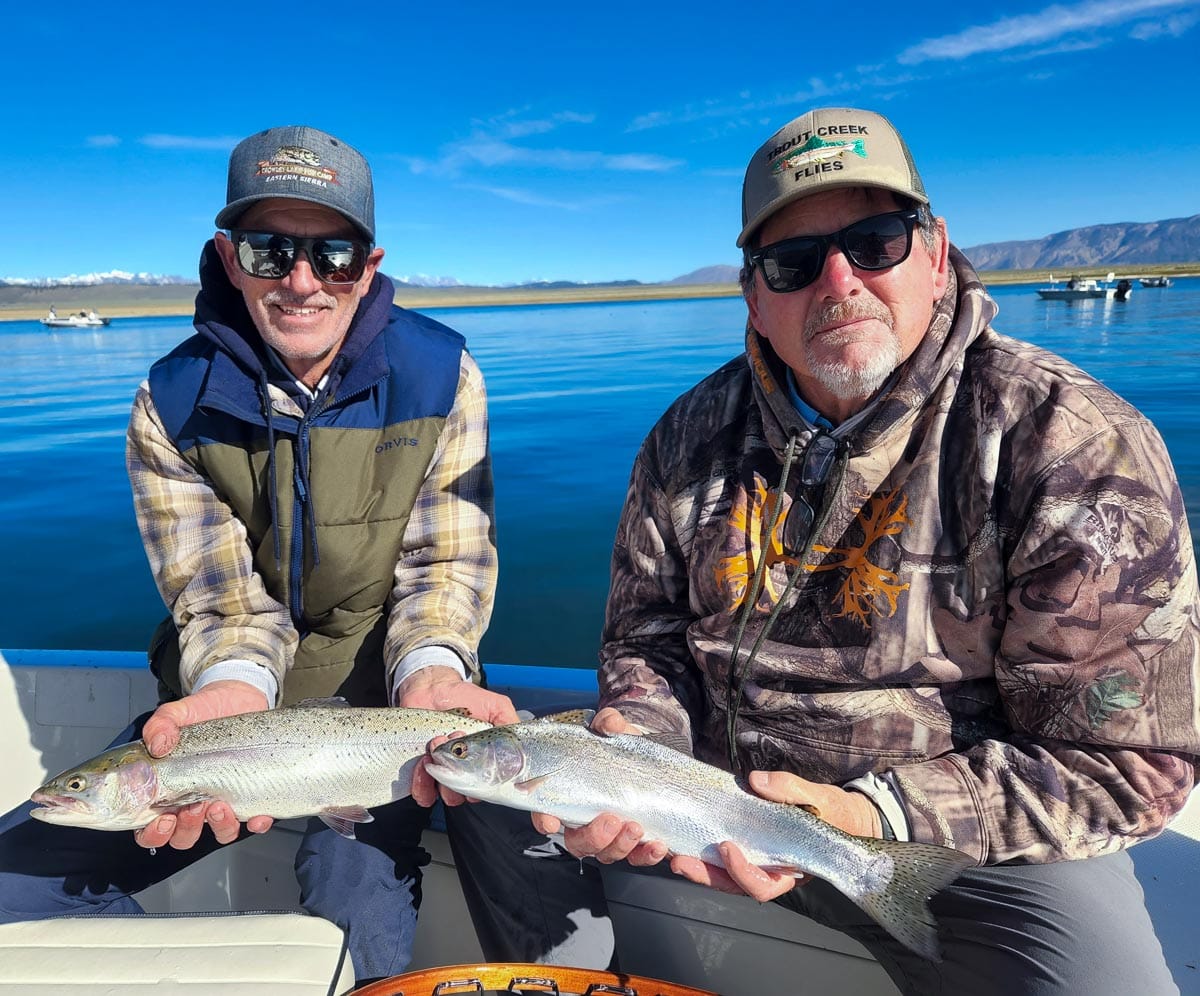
x,y
97,279
1176,240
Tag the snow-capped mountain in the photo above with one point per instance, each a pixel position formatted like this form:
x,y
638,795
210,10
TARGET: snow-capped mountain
x,y
94,279
425,280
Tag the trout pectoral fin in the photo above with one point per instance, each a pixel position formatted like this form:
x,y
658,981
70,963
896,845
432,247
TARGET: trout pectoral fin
x,y
343,818
793,870
171,804
530,784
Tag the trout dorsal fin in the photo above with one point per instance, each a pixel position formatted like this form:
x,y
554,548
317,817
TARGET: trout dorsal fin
x,y
569,717
332,702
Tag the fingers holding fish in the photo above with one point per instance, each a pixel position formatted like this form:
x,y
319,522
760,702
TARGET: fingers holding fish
x,y
609,722
442,689
183,829
179,830
850,811
214,701
158,833
547,824
739,876
609,839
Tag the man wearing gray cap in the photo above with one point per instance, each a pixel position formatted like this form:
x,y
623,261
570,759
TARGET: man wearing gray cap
x,y
931,582
312,482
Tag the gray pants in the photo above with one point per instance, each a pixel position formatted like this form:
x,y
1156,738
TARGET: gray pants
x,y
1066,928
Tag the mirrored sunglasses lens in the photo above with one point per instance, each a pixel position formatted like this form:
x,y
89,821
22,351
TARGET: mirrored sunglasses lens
x,y
339,261
877,243
793,265
262,254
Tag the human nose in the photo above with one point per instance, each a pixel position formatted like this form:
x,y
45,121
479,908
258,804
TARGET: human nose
x,y
301,279
838,279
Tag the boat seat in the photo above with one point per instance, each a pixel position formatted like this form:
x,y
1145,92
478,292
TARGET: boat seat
x,y
286,954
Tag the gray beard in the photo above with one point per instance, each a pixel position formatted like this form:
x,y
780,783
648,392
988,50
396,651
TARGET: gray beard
x,y
847,383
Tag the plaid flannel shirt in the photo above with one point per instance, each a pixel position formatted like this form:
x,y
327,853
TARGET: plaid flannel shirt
x,y
200,555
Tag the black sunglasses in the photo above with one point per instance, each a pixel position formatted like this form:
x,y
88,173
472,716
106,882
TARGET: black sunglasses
x,y
875,243
271,256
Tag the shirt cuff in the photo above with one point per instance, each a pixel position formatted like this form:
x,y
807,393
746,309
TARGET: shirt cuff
x,y
882,791
245,671
423,657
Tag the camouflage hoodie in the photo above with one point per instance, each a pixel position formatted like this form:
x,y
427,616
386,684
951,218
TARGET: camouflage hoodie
x,y
999,609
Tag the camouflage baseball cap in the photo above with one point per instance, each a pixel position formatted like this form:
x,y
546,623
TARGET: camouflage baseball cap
x,y
824,149
301,163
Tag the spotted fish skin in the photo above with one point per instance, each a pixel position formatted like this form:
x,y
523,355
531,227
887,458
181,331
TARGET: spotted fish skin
x,y
335,762
574,774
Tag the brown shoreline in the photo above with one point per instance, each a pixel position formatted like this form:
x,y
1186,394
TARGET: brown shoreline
x,y
123,302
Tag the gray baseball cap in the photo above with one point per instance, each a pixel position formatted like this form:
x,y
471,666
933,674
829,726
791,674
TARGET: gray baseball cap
x,y
824,149
301,163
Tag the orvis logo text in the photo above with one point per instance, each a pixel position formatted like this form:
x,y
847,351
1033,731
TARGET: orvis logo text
x,y
395,443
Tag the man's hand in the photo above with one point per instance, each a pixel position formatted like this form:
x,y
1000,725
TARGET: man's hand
x,y
851,811
182,829
442,688
607,838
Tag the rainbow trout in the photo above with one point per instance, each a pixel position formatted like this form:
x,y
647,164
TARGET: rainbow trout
x,y
334,762
574,774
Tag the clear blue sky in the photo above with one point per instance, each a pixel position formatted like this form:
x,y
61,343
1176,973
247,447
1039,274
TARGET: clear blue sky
x,y
591,142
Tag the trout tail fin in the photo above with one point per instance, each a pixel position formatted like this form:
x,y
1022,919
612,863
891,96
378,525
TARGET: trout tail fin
x,y
900,904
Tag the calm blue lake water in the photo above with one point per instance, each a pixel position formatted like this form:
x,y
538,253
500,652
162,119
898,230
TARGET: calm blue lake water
x,y
573,389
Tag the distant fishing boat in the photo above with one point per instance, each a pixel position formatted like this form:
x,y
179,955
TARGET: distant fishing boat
x,y
1080,289
1155,281
76,320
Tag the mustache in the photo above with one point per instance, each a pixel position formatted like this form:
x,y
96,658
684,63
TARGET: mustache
x,y
318,299
838,312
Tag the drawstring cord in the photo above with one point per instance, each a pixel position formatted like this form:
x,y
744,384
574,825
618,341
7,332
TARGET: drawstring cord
x,y
271,483
736,683
304,490
751,598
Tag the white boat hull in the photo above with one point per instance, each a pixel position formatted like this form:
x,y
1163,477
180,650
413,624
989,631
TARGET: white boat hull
x,y
1062,294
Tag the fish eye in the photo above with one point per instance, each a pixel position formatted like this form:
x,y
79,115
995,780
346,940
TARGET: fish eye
x,y
76,783
459,750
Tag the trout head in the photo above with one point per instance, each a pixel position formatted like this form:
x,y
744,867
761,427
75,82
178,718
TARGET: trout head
x,y
480,764
114,791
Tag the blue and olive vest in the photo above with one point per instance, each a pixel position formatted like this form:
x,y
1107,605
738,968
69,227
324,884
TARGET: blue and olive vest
x,y
326,515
